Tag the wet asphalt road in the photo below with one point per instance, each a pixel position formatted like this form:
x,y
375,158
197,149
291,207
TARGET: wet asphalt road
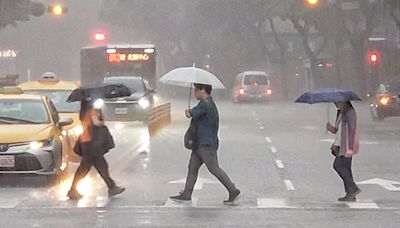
x,y
277,154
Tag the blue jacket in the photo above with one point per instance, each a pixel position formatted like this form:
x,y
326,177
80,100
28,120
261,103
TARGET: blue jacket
x,y
206,117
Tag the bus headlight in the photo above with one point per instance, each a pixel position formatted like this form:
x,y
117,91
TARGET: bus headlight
x,y
144,103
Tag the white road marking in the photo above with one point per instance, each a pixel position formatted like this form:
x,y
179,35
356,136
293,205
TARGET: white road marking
x,y
386,184
272,203
365,204
289,185
171,203
273,149
9,203
268,139
199,184
279,164
262,128
361,142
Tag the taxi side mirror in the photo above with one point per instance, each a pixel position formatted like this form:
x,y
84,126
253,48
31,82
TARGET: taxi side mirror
x,y
65,122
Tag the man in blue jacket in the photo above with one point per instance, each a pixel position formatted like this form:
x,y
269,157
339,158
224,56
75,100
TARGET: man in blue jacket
x,y
206,118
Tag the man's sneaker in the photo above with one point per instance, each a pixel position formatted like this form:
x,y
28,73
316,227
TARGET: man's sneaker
x,y
74,195
233,197
347,199
353,195
181,198
115,191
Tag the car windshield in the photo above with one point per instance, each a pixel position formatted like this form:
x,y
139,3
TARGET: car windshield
x,y
15,111
133,83
256,80
59,98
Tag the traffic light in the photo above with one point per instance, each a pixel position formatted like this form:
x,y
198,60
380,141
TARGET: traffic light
x,y
312,3
374,58
100,36
57,9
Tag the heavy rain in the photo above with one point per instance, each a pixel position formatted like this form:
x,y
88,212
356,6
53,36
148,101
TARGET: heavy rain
x,y
199,113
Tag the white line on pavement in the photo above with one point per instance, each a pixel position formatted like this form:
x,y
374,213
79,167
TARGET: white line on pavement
x,y
268,139
272,203
262,128
279,164
273,149
367,204
289,185
171,203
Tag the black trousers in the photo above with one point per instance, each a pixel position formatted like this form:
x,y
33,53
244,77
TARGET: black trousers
x,y
92,158
208,156
342,166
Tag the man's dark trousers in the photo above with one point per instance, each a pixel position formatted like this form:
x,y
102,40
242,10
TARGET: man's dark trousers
x,y
208,156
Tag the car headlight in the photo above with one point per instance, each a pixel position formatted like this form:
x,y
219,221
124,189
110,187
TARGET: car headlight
x,y
144,103
77,130
35,145
98,104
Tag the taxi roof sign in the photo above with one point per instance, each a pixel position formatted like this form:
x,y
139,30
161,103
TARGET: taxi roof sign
x,y
11,90
49,77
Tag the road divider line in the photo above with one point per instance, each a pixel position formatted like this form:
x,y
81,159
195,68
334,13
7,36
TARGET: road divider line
x,y
273,149
268,139
262,128
279,164
289,185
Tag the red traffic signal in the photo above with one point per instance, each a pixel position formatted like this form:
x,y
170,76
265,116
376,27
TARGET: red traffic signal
x,y
374,57
100,36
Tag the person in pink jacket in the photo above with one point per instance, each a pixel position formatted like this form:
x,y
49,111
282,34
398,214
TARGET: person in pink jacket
x,y
346,145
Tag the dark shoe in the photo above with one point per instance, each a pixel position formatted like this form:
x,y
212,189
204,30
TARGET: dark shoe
x,y
181,198
74,195
115,191
233,198
347,199
353,195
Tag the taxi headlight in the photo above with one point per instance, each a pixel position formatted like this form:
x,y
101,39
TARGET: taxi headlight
x,y
144,103
35,145
76,131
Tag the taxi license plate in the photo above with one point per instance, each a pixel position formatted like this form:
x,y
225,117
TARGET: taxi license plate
x,y
7,161
121,111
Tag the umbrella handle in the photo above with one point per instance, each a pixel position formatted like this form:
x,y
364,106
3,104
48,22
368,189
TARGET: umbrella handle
x,y
190,93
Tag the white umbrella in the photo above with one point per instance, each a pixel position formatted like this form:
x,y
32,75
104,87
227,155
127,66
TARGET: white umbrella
x,y
187,76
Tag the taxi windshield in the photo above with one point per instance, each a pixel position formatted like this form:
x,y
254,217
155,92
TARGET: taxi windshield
x,y
18,111
59,98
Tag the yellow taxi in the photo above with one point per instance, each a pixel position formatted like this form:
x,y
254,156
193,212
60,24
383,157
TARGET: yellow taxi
x,y
30,135
58,91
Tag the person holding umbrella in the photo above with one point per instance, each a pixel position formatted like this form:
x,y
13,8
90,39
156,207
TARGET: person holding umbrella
x,y
346,144
206,119
95,140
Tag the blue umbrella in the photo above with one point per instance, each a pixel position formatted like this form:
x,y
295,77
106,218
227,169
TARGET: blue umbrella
x,y
327,96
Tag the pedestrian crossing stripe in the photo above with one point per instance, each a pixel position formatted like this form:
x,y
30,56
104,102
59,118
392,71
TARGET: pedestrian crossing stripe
x,y
259,203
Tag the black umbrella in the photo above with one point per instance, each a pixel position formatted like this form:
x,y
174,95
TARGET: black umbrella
x,y
103,91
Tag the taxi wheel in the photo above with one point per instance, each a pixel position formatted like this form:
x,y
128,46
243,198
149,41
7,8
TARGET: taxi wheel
x,y
54,179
